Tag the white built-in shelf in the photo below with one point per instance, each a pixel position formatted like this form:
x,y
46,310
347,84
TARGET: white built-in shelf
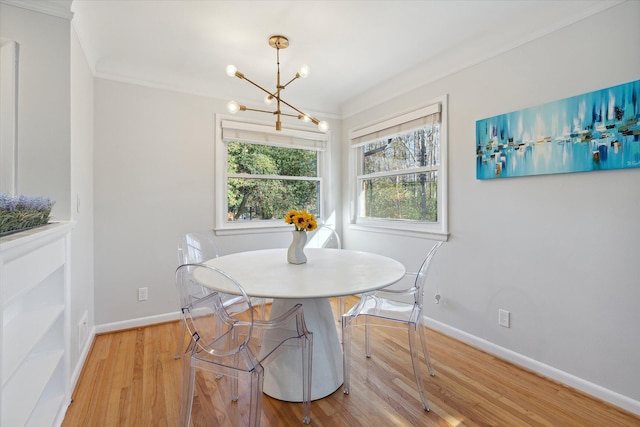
x,y
20,397
46,411
17,344
34,327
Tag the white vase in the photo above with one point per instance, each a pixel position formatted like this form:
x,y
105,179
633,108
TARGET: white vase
x,y
295,254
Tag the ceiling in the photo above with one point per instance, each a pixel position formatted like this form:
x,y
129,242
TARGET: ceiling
x,y
352,47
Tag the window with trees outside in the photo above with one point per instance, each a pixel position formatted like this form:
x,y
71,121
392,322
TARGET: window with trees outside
x,y
266,173
400,173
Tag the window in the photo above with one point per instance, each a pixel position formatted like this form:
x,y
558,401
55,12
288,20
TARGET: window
x,y
262,174
399,179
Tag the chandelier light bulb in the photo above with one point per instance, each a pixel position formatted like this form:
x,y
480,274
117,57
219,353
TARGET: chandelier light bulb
x,y
304,71
231,70
306,118
233,107
323,126
268,99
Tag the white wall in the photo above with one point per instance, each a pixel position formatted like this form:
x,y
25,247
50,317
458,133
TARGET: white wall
x,y
43,104
153,182
558,251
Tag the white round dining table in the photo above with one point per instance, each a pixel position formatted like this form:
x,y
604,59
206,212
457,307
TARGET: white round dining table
x,y
327,273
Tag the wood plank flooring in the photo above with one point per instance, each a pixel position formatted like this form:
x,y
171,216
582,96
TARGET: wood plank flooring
x,y
132,379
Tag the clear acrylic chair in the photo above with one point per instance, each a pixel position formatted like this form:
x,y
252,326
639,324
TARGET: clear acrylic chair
x,y
388,308
196,248
223,327
326,237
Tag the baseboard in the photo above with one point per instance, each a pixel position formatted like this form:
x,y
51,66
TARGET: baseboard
x,y
587,387
136,323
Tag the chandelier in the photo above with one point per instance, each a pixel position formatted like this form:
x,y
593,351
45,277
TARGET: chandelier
x,y
278,42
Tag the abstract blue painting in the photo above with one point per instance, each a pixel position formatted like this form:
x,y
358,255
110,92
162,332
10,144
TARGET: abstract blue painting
x,y
595,131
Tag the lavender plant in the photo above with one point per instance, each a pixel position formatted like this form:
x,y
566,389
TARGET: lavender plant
x,y
22,212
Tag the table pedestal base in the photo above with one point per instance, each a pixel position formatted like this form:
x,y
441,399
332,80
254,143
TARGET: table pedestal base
x,y
282,377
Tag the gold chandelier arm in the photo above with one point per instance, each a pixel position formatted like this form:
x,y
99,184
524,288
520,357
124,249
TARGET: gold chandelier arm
x,y
258,110
313,119
290,115
243,77
277,98
296,77
297,116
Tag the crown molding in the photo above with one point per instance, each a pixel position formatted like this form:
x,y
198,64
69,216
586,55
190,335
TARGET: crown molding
x,y
58,8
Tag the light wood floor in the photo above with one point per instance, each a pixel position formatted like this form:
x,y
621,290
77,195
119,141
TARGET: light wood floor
x,y
132,379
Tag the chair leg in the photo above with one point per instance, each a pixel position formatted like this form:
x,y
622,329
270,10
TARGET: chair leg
x,y
340,307
425,348
255,398
260,313
262,310
234,381
188,383
180,348
367,341
346,353
307,351
415,361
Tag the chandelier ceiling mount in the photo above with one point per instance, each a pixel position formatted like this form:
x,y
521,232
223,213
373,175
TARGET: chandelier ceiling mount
x,y
277,42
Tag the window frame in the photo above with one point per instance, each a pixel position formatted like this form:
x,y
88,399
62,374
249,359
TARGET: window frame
x,y
357,137
304,139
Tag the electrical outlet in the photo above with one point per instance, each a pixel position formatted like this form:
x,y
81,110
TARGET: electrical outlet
x,y
143,294
504,318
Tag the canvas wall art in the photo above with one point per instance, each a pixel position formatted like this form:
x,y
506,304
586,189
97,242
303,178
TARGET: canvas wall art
x,y
594,131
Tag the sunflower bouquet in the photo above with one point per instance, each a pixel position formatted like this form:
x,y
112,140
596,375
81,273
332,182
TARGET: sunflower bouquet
x,y
301,220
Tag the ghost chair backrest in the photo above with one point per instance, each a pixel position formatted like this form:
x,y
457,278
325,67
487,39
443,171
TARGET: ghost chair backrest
x,y
324,237
197,247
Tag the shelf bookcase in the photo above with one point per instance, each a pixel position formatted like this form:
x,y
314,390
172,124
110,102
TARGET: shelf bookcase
x,y
34,332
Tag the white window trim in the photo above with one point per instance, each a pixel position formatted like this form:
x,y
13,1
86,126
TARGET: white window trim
x,y
434,231
320,143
